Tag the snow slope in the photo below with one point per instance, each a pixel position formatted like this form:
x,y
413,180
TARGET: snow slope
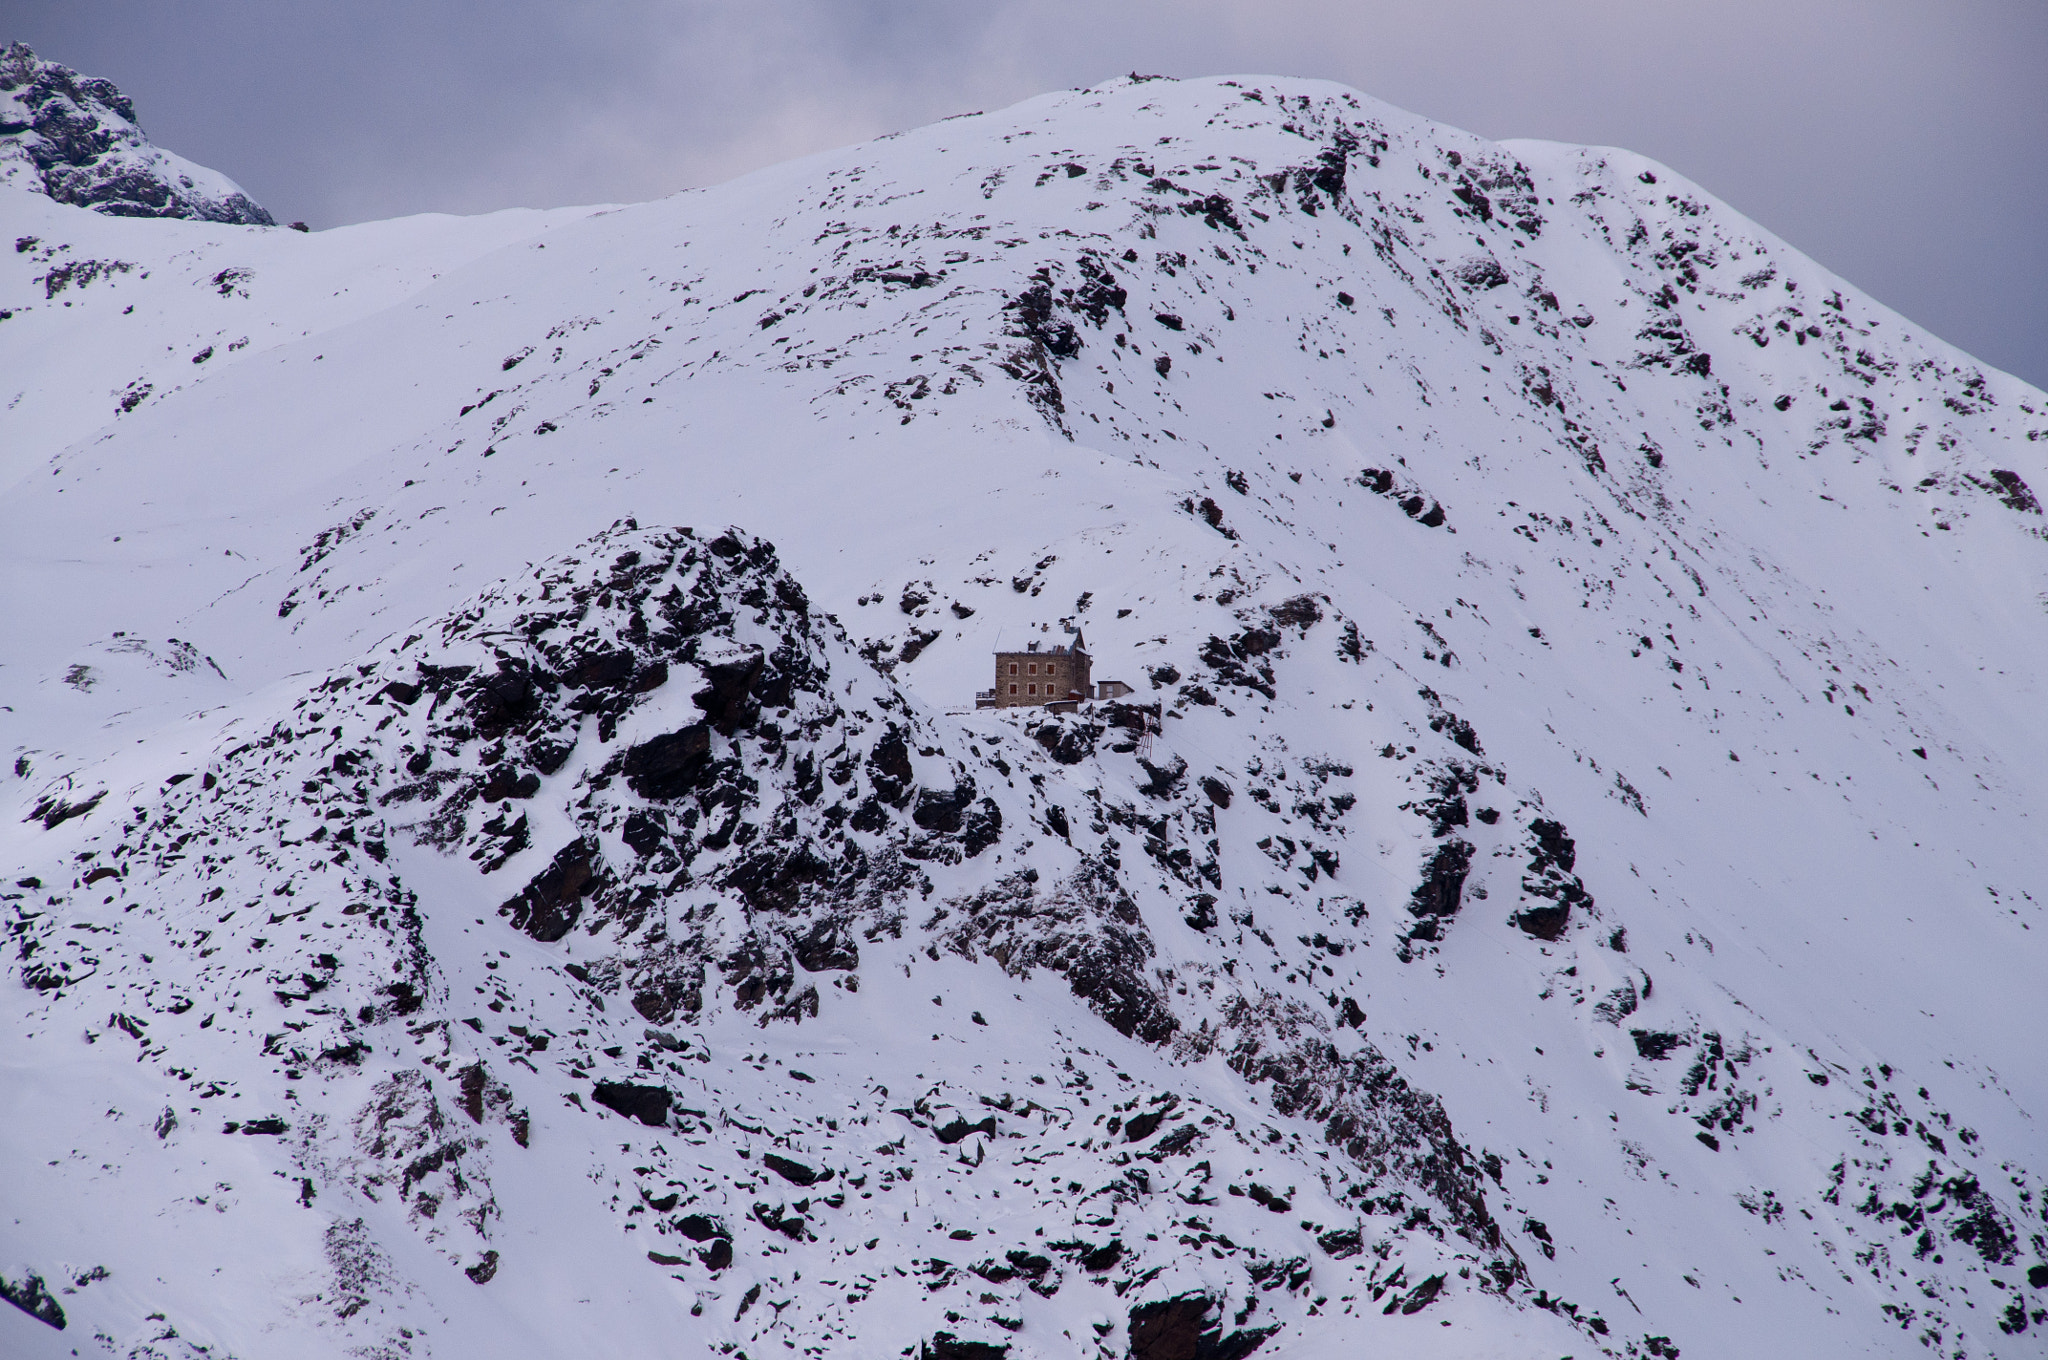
x,y
1579,898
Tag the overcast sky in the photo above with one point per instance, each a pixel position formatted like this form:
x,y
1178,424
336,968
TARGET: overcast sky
x,y
1904,145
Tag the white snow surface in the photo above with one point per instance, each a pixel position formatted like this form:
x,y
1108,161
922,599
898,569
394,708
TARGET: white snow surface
x,y
1439,493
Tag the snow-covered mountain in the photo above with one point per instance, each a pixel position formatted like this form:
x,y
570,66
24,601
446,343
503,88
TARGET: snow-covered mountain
x,y
1563,885
75,138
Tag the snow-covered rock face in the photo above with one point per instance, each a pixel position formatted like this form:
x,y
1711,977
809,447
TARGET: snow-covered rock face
x,y
1564,883
713,814
75,138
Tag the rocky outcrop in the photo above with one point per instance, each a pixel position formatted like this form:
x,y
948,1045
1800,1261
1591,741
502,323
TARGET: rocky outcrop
x,y
75,139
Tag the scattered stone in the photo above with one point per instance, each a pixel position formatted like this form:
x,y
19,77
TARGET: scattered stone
x,y
794,1172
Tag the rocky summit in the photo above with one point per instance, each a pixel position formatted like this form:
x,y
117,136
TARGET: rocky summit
x,y
75,138
503,855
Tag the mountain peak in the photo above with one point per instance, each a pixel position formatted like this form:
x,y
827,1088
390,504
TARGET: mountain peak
x,y
75,138
1558,885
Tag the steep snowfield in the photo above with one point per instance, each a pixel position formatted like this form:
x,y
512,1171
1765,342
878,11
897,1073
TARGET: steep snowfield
x,y
1580,896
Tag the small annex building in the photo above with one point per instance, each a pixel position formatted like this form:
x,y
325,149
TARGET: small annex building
x,y
1062,676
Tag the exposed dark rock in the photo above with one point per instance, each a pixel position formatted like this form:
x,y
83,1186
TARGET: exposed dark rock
x,y
1480,272
1216,210
1172,1329
1069,740
644,831
828,947
1206,509
1034,318
658,999
402,692
648,1104
1414,502
726,697
701,1228
503,699
1238,661
946,1346
1103,1257
33,1297
1086,927
1552,856
914,645
1098,294
1553,846
1447,809
1457,729
1441,892
1189,1327
794,1172
549,906
1302,612
602,670
889,766
1418,1298
793,1226
981,827
508,781
777,876
2014,491
944,812
1545,923
1163,782
1654,1044
668,766
1341,1242
1367,1109
54,811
